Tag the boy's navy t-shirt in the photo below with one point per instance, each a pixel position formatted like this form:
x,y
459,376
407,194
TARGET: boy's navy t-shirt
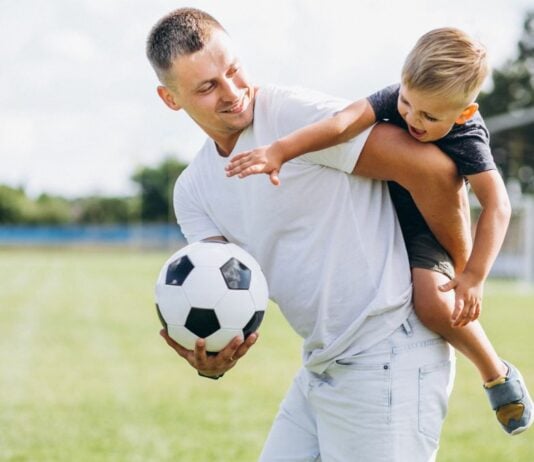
x,y
467,145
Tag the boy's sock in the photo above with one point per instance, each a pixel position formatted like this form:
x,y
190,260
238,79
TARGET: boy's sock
x,y
497,381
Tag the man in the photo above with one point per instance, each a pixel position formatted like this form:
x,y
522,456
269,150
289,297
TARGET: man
x,y
375,382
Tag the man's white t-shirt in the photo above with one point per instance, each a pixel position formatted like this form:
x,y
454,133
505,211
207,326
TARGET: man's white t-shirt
x,y
328,242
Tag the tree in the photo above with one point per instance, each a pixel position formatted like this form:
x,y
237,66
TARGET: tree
x,y
513,84
156,187
107,210
513,94
51,210
15,206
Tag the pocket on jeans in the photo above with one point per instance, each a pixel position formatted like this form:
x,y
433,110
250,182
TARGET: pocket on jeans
x,y
367,388
433,398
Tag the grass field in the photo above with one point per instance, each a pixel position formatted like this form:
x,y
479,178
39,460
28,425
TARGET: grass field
x,y
84,375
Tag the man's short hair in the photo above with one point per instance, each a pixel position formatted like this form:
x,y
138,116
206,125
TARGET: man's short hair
x,y
447,62
181,32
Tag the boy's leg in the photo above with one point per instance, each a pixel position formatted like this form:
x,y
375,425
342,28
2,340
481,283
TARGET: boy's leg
x,y
434,308
503,383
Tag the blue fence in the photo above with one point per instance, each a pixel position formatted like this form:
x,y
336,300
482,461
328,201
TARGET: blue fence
x,y
143,235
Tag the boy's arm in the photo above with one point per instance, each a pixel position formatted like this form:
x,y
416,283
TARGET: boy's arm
x,y
430,176
343,126
491,228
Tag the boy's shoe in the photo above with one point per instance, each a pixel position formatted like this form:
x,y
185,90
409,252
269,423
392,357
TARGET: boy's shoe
x,y
511,402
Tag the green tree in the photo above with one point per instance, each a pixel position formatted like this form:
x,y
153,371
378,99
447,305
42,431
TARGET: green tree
x,y
15,206
512,95
107,210
513,83
156,185
51,210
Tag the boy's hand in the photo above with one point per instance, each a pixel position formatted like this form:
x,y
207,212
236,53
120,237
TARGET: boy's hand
x,y
468,298
212,365
265,159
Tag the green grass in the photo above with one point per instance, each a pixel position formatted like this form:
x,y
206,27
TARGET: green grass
x,y
84,375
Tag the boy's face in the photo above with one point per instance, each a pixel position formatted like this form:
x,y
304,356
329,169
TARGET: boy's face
x,y
211,86
430,117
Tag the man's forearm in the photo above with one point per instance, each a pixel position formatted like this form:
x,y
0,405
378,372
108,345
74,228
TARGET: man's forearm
x,y
430,176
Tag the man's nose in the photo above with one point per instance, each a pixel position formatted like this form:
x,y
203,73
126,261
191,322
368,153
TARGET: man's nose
x,y
230,92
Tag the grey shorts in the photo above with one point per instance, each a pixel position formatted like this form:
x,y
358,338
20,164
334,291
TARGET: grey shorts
x,y
424,251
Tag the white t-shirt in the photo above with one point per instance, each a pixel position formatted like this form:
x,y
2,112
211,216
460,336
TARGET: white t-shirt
x,y
328,242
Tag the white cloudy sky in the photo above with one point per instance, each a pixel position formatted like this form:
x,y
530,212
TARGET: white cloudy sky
x,y
78,108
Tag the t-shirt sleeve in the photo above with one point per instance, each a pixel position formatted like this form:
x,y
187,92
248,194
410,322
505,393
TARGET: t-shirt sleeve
x,y
297,108
194,222
468,145
384,103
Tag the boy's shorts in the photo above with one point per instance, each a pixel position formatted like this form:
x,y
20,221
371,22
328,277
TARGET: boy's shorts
x,y
424,251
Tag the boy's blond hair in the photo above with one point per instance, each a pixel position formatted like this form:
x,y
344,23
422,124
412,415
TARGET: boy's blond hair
x,y
447,62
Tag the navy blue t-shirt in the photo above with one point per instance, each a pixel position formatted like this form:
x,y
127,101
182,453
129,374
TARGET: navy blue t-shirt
x,y
467,145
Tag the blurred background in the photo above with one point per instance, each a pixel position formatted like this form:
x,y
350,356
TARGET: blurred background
x,y
89,153
89,156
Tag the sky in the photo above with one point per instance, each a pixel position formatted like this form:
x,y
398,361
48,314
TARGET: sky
x,y
79,111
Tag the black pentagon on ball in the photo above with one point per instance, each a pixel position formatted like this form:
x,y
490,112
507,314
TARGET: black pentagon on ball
x,y
178,270
236,274
202,322
253,324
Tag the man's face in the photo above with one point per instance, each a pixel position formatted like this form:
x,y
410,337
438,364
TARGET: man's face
x,y
429,117
212,88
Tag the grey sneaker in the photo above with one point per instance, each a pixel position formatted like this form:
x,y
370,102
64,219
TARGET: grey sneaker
x,y
512,403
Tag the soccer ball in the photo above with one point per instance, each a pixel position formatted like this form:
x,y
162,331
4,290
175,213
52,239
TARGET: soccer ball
x,y
213,290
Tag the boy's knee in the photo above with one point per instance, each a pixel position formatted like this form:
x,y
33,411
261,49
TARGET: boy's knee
x,y
434,311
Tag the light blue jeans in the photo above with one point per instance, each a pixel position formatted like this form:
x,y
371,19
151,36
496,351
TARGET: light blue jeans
x,y
386,404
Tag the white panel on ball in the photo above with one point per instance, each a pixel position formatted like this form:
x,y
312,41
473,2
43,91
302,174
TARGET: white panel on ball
x,y
209,254
235,308
183,336
204,287
218,340
259,291
173,304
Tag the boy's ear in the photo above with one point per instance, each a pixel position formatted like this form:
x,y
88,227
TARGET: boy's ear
x,y
467,113
168,98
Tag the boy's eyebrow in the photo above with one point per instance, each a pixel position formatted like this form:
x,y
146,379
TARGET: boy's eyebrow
x,y
404,100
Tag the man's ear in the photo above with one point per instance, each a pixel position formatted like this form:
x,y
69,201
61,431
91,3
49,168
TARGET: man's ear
x,y
467,113
168,98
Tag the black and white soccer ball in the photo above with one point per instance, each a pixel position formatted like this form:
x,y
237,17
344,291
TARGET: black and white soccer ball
x,y
213,290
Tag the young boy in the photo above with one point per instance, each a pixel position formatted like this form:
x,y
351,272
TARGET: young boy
x,y
435,102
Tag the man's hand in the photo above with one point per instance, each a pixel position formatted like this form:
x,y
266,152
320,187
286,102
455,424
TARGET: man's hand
x,y
212,365
265,159
468,298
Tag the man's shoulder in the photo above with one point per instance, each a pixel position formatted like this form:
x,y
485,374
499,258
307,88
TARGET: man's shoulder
x,y
293,93
198,162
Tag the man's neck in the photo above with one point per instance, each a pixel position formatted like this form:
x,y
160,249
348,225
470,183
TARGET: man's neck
x,y
225,145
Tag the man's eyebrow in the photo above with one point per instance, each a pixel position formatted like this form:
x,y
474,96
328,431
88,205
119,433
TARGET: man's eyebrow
x,y
202,83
